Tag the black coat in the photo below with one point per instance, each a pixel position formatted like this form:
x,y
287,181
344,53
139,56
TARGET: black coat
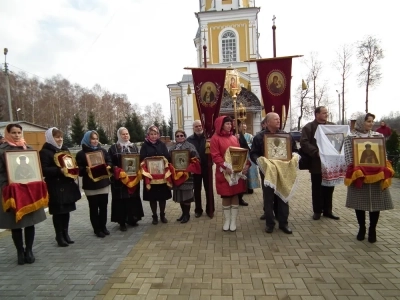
x,y
199,142
157,191
63,191
87,183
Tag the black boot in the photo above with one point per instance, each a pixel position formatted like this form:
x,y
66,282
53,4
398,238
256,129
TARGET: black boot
x,y
186,213
241,201
162,205
163,218
59,228
360,214
65,229
19,244
29,238
183,212
373,221
60,239
155,220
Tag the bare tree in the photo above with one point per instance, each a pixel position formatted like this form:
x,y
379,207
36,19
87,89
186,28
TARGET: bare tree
x,y
369,53
343,65
315,67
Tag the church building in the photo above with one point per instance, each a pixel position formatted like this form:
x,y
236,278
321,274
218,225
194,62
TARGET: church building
x,y
229,30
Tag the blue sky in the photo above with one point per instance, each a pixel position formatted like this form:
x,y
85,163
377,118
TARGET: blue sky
x,y
138,47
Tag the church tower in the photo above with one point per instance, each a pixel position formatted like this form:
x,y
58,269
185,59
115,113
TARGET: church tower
x,y
229,30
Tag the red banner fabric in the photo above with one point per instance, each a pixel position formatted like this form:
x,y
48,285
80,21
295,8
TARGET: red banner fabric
x,y
25,198
275,75
209,89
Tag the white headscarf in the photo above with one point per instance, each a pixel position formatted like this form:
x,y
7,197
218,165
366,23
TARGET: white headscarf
x,y
50,138
121,141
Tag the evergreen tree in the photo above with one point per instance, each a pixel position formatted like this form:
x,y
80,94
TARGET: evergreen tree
x,y
164,129
130,125
157,124
77,130
170,127
137,133
103,139
117,126
393,144
68,141
91,123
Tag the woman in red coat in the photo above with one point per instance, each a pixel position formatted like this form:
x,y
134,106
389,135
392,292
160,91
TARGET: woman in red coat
x,y
222,139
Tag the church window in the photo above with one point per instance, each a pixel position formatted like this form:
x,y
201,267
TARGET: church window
x,y
228,46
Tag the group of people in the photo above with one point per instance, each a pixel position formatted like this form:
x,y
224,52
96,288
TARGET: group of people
x,y
126,207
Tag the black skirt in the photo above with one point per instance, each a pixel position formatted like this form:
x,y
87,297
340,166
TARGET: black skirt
x,y
157,192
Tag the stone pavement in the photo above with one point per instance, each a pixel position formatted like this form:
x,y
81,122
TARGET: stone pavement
x,y
197,260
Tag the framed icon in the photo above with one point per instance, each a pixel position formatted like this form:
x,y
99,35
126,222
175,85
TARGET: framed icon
x,y
69,162
155,165
95,158
369,152
238,158
180,159
23,166
337,140
130,163
277,146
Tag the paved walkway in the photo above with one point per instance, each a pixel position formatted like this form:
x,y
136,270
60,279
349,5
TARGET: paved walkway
x,y
197,260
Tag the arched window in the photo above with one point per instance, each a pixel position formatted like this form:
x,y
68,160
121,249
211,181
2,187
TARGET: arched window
x,y
228,46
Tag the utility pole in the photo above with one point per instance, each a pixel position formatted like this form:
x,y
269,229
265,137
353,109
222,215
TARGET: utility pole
x,y
8,85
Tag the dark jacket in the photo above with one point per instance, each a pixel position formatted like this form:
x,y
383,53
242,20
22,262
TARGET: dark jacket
x,y
118,189
199,142
309,146
63,191
87,183
157,191
257,148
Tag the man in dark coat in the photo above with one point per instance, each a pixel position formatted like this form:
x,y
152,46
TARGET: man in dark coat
x,y
198,139
321,195
272,122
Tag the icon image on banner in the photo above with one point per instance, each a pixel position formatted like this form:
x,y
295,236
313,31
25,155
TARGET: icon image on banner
x,y
208,94
276,82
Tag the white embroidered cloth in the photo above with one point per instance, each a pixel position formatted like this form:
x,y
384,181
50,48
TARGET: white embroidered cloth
x,y
330,141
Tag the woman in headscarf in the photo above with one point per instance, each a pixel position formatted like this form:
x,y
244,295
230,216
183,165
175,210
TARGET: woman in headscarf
x,y
183,194
126,205
153,146
222,139
370,196
63,191
13,140
96,191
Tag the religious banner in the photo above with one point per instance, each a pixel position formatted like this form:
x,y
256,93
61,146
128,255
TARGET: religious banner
x,y
275,75
209,89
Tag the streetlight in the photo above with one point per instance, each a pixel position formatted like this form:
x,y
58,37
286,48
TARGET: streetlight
x,y
7,84
339,105
18,110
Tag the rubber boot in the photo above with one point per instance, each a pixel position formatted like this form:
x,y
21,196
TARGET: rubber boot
x,y
234,213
